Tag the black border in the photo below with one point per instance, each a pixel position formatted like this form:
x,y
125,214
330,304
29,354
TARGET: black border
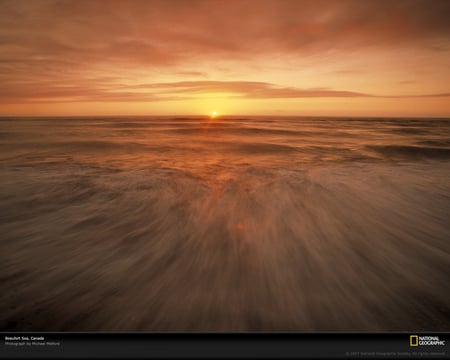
x,y
213,345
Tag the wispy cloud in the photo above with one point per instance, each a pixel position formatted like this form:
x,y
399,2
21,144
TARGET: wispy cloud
x,y
182,90
166,32
250,89
161,91
92,50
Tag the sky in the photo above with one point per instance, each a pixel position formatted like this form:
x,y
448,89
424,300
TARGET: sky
x,y
235,57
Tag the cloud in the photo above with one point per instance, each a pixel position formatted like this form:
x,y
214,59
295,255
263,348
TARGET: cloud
x,y
100,91
183,90
435,95
54,49
165,33
248,89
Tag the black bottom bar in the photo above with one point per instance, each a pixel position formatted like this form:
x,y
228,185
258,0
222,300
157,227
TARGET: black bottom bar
x,y
220,345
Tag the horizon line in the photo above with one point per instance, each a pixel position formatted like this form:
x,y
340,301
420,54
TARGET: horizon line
x,y
233,116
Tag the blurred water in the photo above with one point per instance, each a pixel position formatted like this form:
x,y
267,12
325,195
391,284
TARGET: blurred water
x,y
224,225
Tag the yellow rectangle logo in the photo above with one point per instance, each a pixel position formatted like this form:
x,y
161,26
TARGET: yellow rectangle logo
x,y
413,340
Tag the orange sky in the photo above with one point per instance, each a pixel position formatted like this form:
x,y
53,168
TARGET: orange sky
x,y
337,58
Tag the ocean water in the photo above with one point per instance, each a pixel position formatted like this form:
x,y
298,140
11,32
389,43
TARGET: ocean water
x,y
231,224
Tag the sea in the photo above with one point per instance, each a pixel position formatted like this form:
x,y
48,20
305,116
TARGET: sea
x,y
234,223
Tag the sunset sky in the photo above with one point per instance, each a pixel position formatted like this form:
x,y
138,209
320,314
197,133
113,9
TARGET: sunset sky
x,y
336,58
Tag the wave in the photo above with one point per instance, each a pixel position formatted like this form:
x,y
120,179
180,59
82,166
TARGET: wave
x,y
355,248
266,148
237,130
255,223
435,142
75,145
410,152
408,130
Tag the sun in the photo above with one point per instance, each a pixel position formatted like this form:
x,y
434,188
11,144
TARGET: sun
x,y
213,114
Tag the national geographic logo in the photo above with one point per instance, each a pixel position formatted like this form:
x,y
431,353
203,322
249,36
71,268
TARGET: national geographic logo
x,y
416,340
